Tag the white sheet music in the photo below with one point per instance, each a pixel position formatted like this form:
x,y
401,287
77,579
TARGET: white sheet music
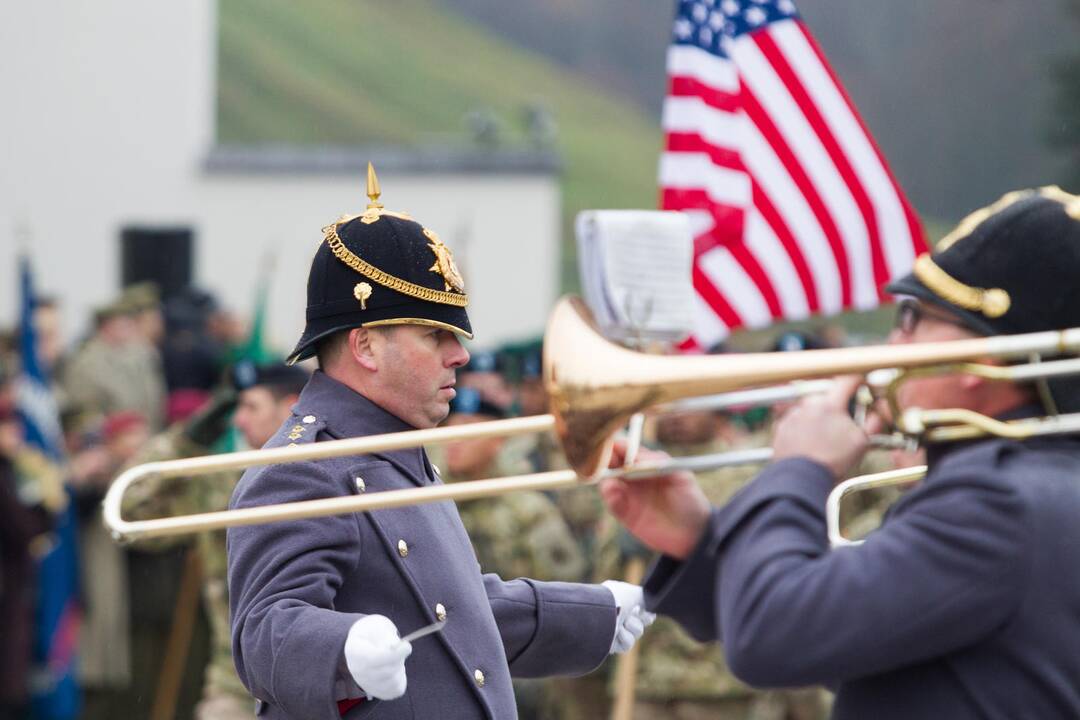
x,y
635,272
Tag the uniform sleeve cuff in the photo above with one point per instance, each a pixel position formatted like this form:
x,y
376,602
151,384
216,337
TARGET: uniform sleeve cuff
x,y
314,649
574,627
685,589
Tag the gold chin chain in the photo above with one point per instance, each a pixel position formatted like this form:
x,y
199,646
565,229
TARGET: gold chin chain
x,y
405,287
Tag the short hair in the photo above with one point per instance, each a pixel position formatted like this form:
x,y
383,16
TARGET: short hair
x,y
329,347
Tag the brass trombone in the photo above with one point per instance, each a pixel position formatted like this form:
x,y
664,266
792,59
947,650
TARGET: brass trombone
x,y
595,387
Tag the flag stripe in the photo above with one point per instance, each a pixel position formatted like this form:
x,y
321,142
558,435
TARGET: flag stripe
x,y
810,111
681,86
806,189
695,171
839,215
731,280
915,235
726,220
782,232
798,223
714,298
692,115
708,329
692,142
689,61
778,265
748,262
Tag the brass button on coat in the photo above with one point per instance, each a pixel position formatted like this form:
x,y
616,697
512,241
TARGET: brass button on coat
x,y
402,548
440,611
478,675
308,419
361,486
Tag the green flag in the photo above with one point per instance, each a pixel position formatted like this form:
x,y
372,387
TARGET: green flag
x,y
255,348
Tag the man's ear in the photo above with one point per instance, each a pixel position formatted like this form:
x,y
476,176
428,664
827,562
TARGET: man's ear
x,y
361,348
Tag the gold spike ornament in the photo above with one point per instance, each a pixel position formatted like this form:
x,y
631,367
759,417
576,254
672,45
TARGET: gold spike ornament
x,y
374,208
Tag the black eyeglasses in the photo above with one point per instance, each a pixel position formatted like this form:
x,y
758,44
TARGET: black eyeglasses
x,y
910,311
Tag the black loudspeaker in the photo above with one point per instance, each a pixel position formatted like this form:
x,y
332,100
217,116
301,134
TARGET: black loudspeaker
x,y
161,255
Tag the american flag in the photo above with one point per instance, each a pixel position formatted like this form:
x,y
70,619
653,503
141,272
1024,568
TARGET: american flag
x,y
793,207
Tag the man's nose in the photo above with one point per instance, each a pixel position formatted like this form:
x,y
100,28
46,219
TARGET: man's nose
x,y
458,355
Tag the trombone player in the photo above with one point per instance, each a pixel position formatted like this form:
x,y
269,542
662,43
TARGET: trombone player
x,y
966,602
319,607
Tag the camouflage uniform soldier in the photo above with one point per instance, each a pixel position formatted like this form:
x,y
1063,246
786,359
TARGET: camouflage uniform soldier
x,y
266,395
679,678
581,507
516,535
117,369
144,302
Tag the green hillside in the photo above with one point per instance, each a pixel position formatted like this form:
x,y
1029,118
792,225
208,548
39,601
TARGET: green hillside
x,y
408,72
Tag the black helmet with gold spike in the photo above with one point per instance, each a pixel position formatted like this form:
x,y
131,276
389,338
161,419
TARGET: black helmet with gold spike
x,y
381,268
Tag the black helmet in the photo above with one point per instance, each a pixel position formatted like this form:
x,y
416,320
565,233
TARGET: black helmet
x,y
1012,267
381,268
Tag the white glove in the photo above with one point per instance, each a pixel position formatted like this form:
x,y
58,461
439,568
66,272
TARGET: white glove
x,y
375,656
633,618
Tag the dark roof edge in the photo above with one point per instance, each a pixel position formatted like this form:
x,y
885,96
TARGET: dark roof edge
x,y
272,159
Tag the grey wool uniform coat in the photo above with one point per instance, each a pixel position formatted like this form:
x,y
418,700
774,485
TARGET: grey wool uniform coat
x,y
297,587
964,604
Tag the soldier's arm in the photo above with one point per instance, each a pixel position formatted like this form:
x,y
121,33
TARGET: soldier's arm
x,y
288,642
167,497
789,611
552,628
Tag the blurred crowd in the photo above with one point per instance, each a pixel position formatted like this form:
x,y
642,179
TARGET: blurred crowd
x,y
156,380
142,366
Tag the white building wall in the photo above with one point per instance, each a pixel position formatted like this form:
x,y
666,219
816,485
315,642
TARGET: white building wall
x,y
107,111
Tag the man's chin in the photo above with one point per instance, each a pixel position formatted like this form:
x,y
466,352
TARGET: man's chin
x,y
439,413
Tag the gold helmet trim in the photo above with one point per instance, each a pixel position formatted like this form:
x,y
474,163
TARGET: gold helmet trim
x,y
972,221
1070,201
967,226
420,321
347,256
991,302
444,263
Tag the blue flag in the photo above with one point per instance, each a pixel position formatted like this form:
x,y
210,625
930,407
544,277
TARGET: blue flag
x,y
55,693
